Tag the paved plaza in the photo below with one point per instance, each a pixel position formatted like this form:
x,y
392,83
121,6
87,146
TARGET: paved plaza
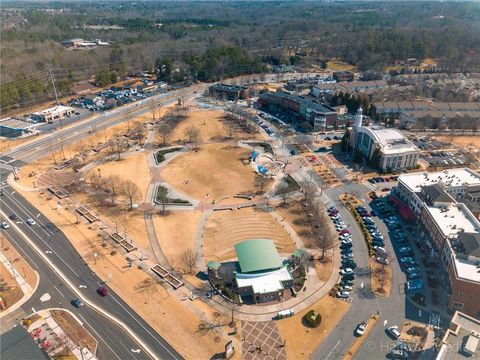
x,y
262,341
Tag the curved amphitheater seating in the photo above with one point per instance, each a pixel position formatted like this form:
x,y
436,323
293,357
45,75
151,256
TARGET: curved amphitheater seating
x,y
224,230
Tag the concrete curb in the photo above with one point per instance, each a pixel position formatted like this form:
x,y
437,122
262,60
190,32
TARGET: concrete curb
x,y
80,295
23,300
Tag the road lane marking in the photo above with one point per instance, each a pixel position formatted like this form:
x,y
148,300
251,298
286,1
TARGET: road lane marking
x,y
98,335
11,239
96,307
26,211
58,290
331,352
46,244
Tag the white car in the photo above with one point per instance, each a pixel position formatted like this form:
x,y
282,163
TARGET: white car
x,y
360,330
347,241
346,288
31,222
379,249
5,225
343,294
340,228
347,271
383,260
393,330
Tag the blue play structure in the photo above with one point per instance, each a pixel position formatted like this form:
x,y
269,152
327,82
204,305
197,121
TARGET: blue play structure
x,y
262,170
254,155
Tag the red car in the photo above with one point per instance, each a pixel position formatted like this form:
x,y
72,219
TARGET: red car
x,y
102,291
345,231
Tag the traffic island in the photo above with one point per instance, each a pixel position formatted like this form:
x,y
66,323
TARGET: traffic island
x,y
380,274
61,335
359,340
380,278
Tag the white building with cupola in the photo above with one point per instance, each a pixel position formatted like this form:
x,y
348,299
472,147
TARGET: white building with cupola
x,y
388,149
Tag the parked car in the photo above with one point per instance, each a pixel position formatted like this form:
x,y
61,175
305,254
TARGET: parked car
x,y
383,260
398,354
347,256
346,288
31,222
379,249
405,250
343,294
5,225
378,243
411,263
406,259
13,217
349,264
360,329
346,282
345,231
393,330
346,271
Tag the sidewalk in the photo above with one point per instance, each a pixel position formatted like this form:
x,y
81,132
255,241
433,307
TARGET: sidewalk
x,y
24,286
314,291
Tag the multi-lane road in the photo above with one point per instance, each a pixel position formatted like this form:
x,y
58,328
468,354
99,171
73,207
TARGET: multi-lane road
x,y
113,341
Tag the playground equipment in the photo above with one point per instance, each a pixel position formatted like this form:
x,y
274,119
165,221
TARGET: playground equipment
x,y
265,164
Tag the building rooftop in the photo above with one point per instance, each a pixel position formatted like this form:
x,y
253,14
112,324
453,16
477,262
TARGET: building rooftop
x,y
453,219
470,243
299,99
459,225
437,193
54,109
12,123
450,178
18,344
265,282
257,255
227,87
459,338
390,140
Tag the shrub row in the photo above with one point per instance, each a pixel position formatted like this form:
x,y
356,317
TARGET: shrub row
x,y
366,235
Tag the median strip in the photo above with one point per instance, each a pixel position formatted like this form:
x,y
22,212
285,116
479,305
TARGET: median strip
x,y
79,294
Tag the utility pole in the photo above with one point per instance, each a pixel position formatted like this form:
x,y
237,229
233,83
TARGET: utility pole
x,y
52,79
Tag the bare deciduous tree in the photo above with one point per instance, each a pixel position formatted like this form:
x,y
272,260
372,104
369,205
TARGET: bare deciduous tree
x,y
189,259
229,128
308,189
193,135
260,182
131,191
138,131
165,132
149,286
82,150
162,196
117,147
114,185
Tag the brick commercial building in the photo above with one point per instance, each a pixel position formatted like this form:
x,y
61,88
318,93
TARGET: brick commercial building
x,y
449,235
462,184
229,92
300,109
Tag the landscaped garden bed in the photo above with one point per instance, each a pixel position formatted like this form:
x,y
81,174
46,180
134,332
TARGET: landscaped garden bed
x,y
159,155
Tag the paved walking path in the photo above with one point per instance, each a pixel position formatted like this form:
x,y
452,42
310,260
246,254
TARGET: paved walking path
x,y
27,290
314,291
